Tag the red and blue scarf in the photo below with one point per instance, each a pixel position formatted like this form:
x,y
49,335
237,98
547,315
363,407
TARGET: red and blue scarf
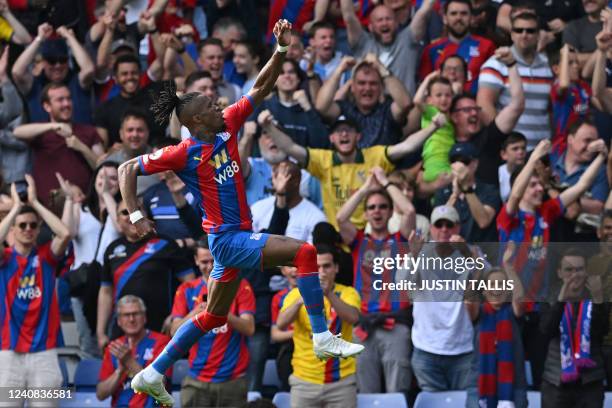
x,y
576,346
496,359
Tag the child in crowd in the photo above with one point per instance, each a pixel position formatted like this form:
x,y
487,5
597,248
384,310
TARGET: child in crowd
x,y
571,96
514,153
434,96
500,361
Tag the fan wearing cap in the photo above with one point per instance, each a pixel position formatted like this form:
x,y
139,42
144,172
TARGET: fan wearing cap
x,y
442,332
476,202
55,70
344,169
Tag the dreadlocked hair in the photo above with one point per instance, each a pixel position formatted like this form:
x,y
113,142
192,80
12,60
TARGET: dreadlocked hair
x,y
165,102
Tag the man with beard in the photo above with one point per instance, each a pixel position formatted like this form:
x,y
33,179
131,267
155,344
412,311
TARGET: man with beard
x,y
127,75
344,169
494,91
257,171
475,50
397,50
60,146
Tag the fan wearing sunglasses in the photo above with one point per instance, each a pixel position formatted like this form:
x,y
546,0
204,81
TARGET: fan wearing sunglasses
x,y
27,283
495,90
475,201
385,315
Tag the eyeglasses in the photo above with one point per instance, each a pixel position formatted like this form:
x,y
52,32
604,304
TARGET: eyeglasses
x,y
468,109
23,225
444,223
56,60
520,30
130,315
372,207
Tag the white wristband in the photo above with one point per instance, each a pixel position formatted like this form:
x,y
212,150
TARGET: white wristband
x,y
136,216
282,48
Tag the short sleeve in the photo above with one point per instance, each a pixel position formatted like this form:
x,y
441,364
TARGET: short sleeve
x,y
106,278
6,31
236,114
552,209
351,297
570,34
318,160
490,196
490,76
45,254
169,158
107,368
506,222
290,299
245,298
599,190
179,306
358,238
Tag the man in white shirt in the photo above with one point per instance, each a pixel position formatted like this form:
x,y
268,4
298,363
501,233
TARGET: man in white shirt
x,y
303,214
442,333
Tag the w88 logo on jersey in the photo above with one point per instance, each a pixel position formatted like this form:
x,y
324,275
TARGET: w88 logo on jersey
x,y
227,172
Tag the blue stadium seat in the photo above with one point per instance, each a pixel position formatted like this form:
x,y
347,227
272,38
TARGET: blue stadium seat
x,y
64,370
270,376
608,400
179,371
253,396
282,400
86,375
534,398
395,400
84,400
177,399
445,399
528,374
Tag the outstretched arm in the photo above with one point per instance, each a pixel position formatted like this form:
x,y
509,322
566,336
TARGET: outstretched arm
x,y
418,25
415,140
507,117
284,142
520,184
266,79
86,65
585,181
348,231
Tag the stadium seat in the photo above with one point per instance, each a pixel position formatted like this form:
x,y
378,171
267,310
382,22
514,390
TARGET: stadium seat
x,y
395,400
177,399
534,398
608,400
179,371
86,376
84,400
528,374
445,399
283,400
270,376
253,396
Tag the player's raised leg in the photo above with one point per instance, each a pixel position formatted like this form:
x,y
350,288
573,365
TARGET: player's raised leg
x,y
221,293
280,251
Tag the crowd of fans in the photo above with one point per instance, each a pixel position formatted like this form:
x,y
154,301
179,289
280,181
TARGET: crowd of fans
x,y
393,123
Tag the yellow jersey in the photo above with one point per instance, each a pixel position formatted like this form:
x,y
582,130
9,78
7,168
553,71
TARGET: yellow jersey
x,y
6,31
306,366
340,180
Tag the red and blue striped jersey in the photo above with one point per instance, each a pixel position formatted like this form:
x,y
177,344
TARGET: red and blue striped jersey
x,y
29,313
531,233
567,108
297,12
474,50
147,349
277,304
222,354
364,249
211,172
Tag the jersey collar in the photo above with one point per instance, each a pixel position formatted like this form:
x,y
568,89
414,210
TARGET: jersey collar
x,y
359,159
